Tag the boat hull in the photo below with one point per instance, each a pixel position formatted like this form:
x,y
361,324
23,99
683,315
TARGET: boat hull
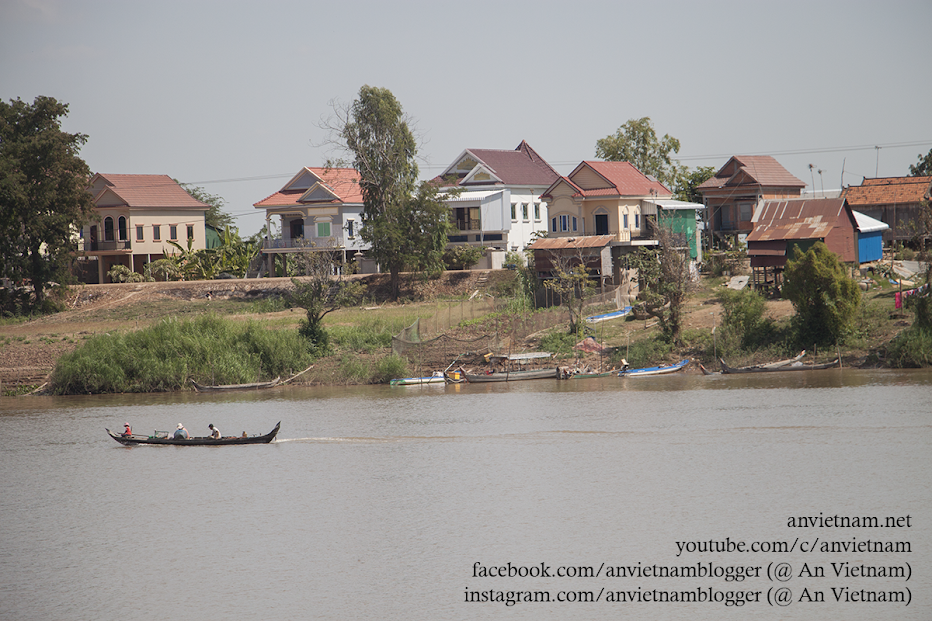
x,y
727,370
648,371
513,376
199,441
417,381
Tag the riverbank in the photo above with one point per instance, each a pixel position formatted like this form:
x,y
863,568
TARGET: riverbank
x,y
30,349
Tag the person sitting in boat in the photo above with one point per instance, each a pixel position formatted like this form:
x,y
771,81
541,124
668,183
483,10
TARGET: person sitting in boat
x,y
214,432
127,430
181,433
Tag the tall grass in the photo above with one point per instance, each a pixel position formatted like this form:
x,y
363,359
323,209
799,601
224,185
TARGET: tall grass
x,y
369,334
165,356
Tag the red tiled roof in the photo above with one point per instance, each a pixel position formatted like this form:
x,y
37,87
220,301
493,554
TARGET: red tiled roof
x,y
519,166
621,179
889,191
149,191
798,219
343,182
754,170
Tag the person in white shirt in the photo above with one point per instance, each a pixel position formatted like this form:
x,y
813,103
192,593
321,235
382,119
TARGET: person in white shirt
x,y
214,432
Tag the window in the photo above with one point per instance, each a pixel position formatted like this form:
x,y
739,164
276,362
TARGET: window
x,y
108,229
190,231
553,225
139,235
173,232
349,229
574,224
323,229
156,232
524,211
746,211
121,223
563,222
624,221
514,217
637,220
537,211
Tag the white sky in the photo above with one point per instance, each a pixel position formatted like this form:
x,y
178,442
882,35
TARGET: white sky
x,y
228,95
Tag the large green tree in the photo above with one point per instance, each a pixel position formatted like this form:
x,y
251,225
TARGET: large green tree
x,y
923,167
215,216
688,180
824,296
636,142
404,224
43,193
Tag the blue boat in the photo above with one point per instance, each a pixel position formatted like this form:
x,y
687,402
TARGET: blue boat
x,y
673,368
606,316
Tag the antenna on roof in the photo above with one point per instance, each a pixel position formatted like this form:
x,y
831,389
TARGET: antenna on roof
x,y
877,167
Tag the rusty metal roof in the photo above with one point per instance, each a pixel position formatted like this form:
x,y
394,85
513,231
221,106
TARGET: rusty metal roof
x,y
562,243
797,219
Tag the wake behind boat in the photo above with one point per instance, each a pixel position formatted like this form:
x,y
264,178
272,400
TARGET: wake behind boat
x,y
162,437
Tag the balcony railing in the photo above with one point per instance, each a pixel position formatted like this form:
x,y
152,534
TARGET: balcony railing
x,y
322,243
100,246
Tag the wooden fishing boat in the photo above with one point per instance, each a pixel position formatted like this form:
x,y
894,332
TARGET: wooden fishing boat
x,y
790,367
770,365
437,378
159,438
612,315
253,386
662,370
512,376
611,373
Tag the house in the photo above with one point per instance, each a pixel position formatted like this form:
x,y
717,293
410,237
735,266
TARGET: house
x,y
897,202
604,198
682,219
500,204
782,225
136,216
318,209
737,189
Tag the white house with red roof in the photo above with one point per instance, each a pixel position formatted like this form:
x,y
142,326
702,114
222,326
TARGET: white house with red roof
x,y
318,209
136,216
500,205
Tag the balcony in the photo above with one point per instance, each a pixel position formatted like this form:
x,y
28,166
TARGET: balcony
x,y
105,246
300,243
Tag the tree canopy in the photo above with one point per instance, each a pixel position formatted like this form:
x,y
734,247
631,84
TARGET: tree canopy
x,y
636,142
824,297
404,224
923,167
43,193
215,217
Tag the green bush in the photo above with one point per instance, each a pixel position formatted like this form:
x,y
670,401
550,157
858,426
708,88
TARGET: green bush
x,y
389,368
164,357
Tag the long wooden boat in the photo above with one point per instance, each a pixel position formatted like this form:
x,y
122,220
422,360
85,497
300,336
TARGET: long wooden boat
x,y
253,386
769,366
790,367
611,373
612,315
199,441
512,376
662,370
436,378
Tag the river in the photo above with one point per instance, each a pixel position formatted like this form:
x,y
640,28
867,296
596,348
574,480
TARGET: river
x,y
408,502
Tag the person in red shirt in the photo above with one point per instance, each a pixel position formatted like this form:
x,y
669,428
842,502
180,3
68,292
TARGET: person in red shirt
x,y
127,430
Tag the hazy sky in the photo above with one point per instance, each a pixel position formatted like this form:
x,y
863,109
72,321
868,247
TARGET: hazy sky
x,y
229,95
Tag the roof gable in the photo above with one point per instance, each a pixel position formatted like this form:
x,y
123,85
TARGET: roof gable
x,y
799,218
519,166
617,179
143,191
754,170
317,185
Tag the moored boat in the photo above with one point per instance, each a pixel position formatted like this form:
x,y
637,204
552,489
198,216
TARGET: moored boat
x,y
765,367
159,438
790,367
661,370
252,386
437,378
624,312
512,376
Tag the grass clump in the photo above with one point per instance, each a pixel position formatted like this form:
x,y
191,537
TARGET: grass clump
x,y
165,356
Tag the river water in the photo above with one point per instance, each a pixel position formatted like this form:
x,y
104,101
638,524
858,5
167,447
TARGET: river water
x,y
396,503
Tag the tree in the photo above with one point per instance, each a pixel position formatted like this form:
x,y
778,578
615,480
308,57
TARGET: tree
x,y
43,193
405,225
636,142
215,216
571,283
689,180
663,276
923,167
824,297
